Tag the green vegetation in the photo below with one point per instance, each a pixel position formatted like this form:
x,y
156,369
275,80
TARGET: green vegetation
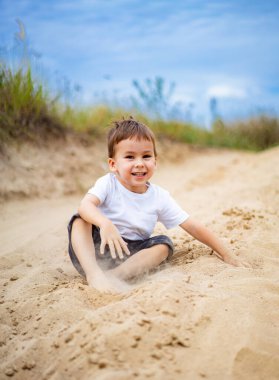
x,y
153,96
92,121
256,133
27,112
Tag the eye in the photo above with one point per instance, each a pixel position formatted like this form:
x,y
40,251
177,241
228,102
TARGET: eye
x,y
147,156
129,157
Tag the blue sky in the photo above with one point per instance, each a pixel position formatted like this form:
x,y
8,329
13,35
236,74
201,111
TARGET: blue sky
x,y
225,49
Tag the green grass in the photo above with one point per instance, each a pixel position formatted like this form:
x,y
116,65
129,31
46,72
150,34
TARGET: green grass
x,y
92,121
256,133
27,112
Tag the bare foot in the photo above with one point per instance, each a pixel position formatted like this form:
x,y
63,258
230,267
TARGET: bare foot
x,y
119,284
99,281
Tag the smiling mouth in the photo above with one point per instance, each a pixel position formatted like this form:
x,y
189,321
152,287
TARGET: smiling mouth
x,y
139,174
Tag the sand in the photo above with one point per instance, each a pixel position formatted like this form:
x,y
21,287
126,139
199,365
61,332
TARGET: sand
x,y
196,318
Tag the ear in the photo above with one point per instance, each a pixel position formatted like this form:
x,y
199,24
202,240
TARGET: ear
x,y
112,164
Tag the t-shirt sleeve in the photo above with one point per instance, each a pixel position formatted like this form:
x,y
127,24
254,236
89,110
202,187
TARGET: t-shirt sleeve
x,y
170,213
101,188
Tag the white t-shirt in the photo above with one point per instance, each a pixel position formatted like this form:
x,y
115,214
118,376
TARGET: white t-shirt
x,y
134,214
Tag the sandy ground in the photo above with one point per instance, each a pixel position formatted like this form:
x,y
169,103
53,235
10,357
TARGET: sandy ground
x,y
197,318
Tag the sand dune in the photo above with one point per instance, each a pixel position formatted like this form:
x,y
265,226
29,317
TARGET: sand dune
x,y
197,318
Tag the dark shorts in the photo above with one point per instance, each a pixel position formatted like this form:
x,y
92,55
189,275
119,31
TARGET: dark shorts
x,y
106,261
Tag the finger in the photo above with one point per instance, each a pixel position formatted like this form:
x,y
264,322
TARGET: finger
x,y
102,247
124,245
246,264
236,263
112,250
118,249
243,263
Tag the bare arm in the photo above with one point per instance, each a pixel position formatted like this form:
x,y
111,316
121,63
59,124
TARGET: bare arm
x,y
201,233
110,236
89,211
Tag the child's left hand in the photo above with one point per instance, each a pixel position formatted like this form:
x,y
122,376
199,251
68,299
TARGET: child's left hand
x,y
236,261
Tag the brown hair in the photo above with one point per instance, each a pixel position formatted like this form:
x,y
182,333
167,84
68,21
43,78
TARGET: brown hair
x,y
128,129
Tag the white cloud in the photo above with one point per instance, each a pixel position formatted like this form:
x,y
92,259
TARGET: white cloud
x,y
220,48
226,91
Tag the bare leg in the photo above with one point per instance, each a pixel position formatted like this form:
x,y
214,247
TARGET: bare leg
x,y
84,249
142,261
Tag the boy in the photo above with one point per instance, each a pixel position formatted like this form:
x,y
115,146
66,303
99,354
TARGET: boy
x,y
110,235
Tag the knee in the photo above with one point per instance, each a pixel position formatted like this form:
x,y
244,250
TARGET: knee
x,y
81,225
163,252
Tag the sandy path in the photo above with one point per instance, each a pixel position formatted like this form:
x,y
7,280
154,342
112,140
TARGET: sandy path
x,y
197,318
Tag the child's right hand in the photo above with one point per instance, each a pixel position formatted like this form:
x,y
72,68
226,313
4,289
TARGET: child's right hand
x,y
110,236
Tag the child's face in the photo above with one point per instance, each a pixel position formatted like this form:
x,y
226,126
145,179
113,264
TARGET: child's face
x,y
134,163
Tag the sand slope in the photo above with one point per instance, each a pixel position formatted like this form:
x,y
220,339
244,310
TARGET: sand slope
x,y
197,318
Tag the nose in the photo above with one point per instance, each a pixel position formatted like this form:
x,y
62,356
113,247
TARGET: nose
x,y
139,162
